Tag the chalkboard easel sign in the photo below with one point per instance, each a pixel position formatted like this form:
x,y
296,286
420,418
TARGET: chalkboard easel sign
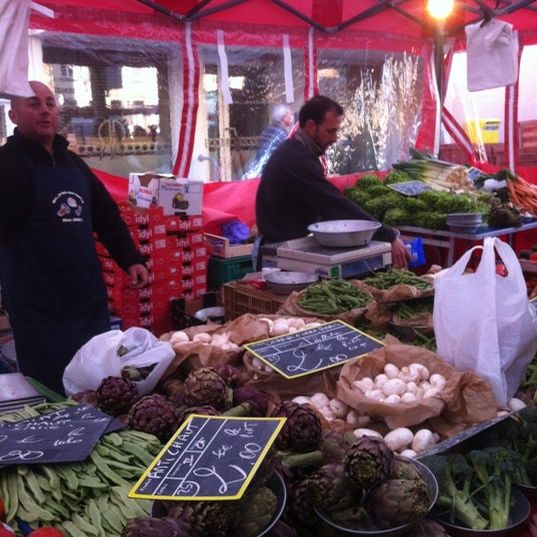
x,y
209,458
67,435
410,188
312,350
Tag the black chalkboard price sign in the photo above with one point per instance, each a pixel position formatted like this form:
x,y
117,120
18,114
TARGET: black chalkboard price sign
x,y
209,458
315,349
66,435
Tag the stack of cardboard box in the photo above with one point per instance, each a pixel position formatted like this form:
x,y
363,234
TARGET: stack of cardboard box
x,y
176,256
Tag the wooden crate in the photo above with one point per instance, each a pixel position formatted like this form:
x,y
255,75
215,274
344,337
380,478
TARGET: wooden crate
x,y
220,247
240,299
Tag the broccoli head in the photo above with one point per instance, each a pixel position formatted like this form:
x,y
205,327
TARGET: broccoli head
x,y
378,191
358,196
397,176
368,180
430,220
397,217
454,478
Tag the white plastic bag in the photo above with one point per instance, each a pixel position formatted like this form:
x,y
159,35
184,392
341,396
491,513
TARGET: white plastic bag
x,y
99,358
484,322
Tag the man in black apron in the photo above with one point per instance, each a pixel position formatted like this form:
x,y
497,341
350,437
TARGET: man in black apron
x,y
50,276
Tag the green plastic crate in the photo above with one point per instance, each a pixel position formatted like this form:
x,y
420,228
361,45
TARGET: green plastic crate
x,y
221,271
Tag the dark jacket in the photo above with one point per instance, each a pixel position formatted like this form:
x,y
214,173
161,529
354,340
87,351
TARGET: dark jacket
x,y
294,193
16,196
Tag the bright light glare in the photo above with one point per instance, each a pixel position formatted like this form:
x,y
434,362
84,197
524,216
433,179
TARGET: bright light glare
x,y
439,9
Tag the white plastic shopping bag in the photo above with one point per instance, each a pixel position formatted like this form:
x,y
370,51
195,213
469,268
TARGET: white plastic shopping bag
x,y
106,354
483,321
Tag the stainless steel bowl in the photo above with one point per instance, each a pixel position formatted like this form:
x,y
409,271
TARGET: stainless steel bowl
x,y
344,233
283,282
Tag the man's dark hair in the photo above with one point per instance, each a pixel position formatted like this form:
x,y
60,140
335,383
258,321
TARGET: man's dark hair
x,y
316,108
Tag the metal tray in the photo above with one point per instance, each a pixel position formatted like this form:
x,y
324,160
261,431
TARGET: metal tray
x,y
283,282
344,233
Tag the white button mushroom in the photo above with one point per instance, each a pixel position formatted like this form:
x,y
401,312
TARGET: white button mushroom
x,y
392,371
366,432
408,397
301,400
408,453
394,386
363,385
392,399
516,404
423,439
319,400
179,337
399,438
338,408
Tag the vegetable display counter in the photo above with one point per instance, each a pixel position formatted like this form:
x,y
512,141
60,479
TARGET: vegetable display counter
x,y
447,239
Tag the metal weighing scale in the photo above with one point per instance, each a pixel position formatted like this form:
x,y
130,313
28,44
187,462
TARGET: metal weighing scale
x,y
306,255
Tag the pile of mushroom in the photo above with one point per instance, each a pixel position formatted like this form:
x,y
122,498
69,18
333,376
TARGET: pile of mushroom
x,y
290,325
405,385
220,341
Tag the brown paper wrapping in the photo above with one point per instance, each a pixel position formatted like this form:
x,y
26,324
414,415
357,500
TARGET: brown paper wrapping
x,y
291,307
465,399
398,293
243,329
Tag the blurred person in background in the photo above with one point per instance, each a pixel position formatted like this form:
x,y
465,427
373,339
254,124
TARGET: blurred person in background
x,y
51,204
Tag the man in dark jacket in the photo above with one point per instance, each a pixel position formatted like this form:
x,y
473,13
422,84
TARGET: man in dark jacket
x,y
50,276
294,191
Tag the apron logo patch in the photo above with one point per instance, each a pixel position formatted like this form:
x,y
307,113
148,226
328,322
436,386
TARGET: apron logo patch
x,y
69,206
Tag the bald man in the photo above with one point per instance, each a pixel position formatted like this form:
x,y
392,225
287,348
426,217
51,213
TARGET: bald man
x,y
50,206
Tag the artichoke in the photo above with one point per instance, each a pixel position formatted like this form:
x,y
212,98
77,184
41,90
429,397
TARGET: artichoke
x,y
331,489
427,528
174,391
398,501
130,372
281,529
155,527
256,400
204,386
229,373
335,445
354,516
116,395
402,469
206,519
204,410
299,510
256,511
155,415
302,430
368,462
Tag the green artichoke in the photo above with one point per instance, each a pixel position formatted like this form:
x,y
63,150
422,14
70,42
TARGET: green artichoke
x,y
255,512
427,528
302,430
155,527
155,415
116,395
331,488
402,469
368,462
354,516
206,519
204,386
398,501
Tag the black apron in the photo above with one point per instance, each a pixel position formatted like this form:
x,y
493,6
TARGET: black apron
x,y
52,285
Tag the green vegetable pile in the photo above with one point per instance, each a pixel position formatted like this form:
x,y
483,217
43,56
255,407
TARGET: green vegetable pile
x,y
89,498
427,210
393,276
332,297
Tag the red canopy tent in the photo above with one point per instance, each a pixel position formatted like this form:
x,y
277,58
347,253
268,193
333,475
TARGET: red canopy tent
x,y
393,25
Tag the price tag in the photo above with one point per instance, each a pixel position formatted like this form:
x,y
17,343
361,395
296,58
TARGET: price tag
x,y
410,188
209,458
66,435
315,349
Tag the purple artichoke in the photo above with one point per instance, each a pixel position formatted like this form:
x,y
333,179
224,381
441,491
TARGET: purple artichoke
x,y
302,430
174,391
116,395
335,445
398,501
256,400
155,527
204,410
88,397
204,386
229,373
155,415
368,462
427,528
331,488
206,519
